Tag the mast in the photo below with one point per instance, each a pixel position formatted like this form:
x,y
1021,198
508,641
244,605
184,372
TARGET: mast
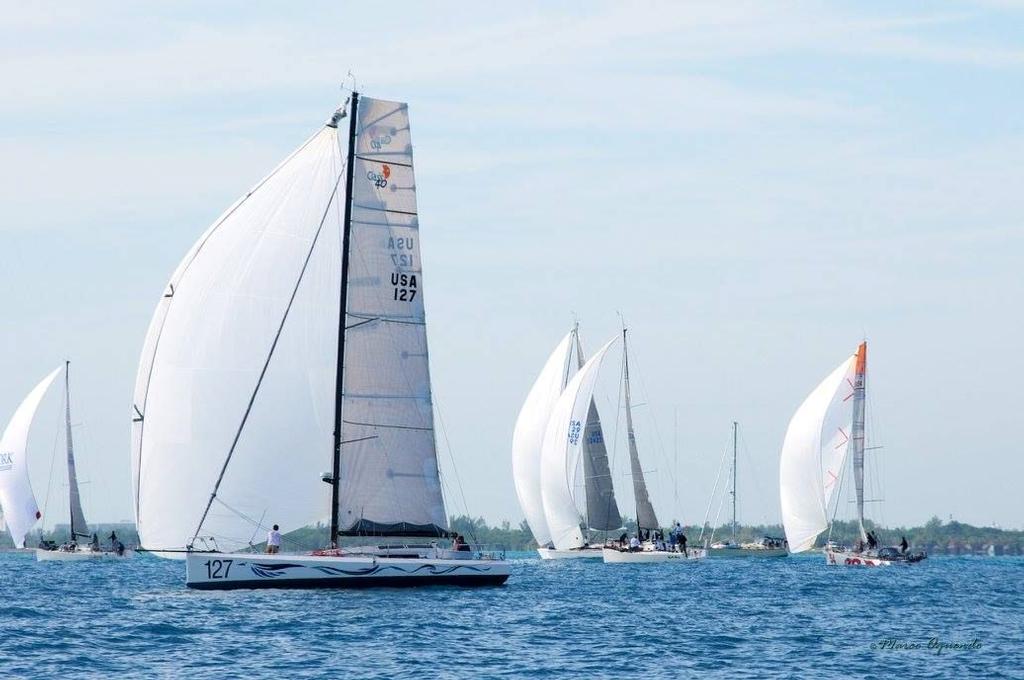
x,y
340,375
78,525
857,432
735,425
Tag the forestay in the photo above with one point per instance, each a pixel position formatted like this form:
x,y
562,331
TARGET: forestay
x,y
528,437
208,342
813,454
389,480
20,509
561,451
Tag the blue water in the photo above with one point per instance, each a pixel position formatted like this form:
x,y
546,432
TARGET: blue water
x,y
792,617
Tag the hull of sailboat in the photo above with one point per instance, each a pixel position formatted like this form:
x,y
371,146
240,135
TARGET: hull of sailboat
x,y
577,554
849,558
615,556
43,555
226,571
738,552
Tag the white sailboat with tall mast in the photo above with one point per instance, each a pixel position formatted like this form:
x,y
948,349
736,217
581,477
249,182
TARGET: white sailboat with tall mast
x,y
768,546
651,550
827,426
601,512
21,510
290,339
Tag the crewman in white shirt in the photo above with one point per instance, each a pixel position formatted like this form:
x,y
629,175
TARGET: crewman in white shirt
x,y
274,540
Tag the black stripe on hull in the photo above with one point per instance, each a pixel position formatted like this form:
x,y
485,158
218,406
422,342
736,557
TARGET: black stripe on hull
x,y
474,580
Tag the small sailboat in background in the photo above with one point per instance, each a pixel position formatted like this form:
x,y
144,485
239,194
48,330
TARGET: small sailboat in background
x,y
292,337
528,439
652,549
20,507
826,427
768,546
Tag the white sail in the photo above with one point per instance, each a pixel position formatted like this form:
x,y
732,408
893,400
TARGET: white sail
x,y
227,307
528,437
561,451
79,527
19,503
389,481
813,453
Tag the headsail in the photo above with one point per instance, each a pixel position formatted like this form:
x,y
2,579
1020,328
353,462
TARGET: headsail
x,y
561,451
16,497
389,480
645,517
813,453
528,437
78,525
228,306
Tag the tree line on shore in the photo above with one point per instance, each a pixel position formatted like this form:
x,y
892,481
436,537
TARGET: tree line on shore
x,y
935,536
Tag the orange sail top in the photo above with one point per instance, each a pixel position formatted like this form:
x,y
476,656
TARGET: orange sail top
x,y
862,359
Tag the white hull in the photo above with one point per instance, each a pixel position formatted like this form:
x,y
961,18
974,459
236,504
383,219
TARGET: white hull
x,y
578,554
850,558
80,555
224,571
614,556
733,553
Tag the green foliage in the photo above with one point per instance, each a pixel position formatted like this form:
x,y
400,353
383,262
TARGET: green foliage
x,y
935,536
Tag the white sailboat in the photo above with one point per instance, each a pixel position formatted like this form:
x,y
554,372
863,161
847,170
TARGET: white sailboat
x,y
601,510
649,550
768,546
17,498
826,427
292,337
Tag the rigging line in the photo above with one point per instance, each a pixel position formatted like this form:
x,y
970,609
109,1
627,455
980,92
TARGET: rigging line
x,y
455,468
714,493
194,254
270,354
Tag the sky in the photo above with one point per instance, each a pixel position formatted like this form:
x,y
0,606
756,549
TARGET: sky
x,y
755,188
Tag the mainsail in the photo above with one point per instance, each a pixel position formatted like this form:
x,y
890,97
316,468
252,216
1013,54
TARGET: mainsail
x,y
857,433
16,498
78,525
561,451
602,510
389,481
813,453
237,397
645,517
528,437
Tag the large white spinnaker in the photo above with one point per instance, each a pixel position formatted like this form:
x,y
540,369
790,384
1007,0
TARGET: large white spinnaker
x,y
20,509
273,256
528,437
561,451
813,453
